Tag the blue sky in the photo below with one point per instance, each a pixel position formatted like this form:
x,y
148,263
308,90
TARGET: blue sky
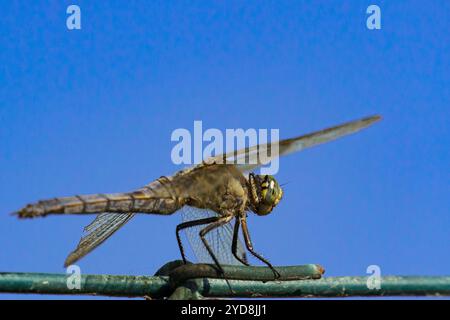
x,y
92,110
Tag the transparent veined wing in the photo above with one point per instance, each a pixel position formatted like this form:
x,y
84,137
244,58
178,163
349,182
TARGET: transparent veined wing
x,y
103,226
249,158
219,239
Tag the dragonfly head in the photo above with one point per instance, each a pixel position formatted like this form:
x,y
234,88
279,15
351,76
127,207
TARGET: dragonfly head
x,y
265,193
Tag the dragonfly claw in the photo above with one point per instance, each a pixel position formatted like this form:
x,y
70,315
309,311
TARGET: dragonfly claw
x,y
276,274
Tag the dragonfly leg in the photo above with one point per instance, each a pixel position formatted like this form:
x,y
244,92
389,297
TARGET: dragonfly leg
x,y
220,221
190,224
249,246
235,242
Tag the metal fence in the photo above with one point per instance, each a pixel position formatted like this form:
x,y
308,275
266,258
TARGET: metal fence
x,y
202,281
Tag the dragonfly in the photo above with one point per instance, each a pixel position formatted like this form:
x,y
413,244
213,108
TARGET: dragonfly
x,y
214,198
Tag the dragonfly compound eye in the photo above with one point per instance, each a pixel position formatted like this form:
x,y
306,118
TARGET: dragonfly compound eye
x,y
270,194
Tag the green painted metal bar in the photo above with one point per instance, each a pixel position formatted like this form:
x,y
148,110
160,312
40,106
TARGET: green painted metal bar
x,y
104,285
179,272
328,287
159,286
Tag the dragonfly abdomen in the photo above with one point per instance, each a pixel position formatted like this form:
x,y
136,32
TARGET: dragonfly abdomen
x,y
95,203
143,200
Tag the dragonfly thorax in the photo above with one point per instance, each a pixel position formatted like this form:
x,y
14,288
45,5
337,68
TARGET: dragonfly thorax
x,y
265,193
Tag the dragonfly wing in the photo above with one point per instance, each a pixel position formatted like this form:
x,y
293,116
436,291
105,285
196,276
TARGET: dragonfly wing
x,y
249,158
220,239
104,226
